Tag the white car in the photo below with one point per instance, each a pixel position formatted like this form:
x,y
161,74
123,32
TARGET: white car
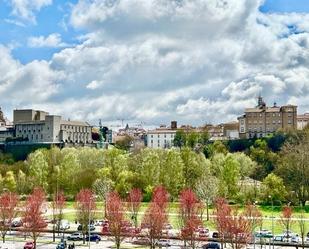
x,y
163,243
295,239
64,225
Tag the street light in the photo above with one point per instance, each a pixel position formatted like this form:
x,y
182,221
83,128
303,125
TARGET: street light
x,y
272,218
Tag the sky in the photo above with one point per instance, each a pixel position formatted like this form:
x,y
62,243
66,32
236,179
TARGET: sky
x,y
152,61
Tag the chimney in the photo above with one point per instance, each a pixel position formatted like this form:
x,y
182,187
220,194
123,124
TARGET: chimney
x,y
174,125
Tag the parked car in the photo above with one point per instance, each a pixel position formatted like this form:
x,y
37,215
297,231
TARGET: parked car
x,y
203,232
295,239
16,222
91,227
141,241
281,238
61,245
75,236
163,243
93,237
64,225
211,245
215,235
29,245
264,233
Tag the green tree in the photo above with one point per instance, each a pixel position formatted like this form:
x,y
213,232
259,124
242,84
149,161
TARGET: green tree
x,y
180,139
193,167
38,169
293,167
9,181
273,189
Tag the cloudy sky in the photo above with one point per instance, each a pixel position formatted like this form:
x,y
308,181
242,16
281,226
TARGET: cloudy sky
x,y
152,61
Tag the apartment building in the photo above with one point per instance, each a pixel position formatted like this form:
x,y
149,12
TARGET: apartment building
x,y
302,121
162,137
262,120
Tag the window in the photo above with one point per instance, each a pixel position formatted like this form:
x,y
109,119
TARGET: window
x,y
41,136
242,121
151,136
242,129
289,121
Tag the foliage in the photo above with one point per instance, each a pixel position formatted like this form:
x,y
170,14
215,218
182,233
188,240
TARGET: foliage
x,y
115,216
134,204
33,219
8,211
273,189
85,209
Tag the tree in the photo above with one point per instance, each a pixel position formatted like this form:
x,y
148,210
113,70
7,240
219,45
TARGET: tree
x,y
293,167
207,190
115,215
134,204
302,227
102,187
180,139
254,216
86,207
286,219
33,220
156,215
154,220
124,143
189,206
38,168
9,181
233,226
58,204
273,188
8,204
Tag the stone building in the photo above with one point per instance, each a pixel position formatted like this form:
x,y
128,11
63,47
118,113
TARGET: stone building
x,y
302,121
35,126
262,120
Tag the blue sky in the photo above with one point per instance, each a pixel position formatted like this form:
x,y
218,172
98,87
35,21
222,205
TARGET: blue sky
x,y
152,61
285,6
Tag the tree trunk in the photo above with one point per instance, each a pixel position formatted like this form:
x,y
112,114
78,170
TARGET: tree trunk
x,y
3,238
54,233
207,210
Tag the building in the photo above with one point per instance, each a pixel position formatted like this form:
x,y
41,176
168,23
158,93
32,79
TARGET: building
x,y
162,137
35,126
262,120
302,121
6,128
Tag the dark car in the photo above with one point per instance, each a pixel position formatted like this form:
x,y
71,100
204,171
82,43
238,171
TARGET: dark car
x,y
93,237
61,245
80,227
211,245
215,235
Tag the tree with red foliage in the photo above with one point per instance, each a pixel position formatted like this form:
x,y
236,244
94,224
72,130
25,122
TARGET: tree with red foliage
x,y
134,204
160,196
155,216
58,204
8,204
115,214
254,216
154,220
33,220
86,208
190,220
286,219
232,226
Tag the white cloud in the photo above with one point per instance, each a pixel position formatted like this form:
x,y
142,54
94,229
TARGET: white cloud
x,y
52,40
195,61
26,9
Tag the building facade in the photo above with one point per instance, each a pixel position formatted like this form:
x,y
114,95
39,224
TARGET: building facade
x,y
302,121
39,127
162,137
262,120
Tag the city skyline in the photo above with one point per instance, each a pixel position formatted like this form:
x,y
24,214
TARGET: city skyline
x,y
192,61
